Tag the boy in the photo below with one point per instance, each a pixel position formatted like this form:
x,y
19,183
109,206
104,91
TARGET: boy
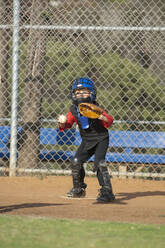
x,y
95,141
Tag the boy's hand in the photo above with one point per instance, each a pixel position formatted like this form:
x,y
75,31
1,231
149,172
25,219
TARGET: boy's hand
x,y
103,118
61,121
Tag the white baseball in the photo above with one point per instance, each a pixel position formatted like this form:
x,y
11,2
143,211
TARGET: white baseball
x,y
62,119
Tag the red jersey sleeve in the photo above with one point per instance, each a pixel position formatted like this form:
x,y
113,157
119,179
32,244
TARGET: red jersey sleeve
x,y
69,123
110,120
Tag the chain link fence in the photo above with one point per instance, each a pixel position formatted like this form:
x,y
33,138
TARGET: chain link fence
x,y
45,45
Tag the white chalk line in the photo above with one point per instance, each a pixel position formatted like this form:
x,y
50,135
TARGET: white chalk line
x,y
79,199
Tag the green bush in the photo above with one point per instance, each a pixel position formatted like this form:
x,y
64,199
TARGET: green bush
x,y
125,89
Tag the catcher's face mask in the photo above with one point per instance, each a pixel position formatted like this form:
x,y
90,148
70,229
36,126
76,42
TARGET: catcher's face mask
x,y
81,93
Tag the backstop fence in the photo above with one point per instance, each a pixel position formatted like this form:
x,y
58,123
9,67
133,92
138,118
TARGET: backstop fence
x,y
45,45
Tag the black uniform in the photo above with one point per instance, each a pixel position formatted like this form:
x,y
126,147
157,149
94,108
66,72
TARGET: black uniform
x,y
95,141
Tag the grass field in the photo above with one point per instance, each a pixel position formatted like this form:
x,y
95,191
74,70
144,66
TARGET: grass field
x,y
35,232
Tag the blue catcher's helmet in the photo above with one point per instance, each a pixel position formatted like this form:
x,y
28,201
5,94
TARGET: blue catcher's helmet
x,y
82,83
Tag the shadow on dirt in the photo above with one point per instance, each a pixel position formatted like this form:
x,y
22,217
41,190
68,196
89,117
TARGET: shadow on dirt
x,y
9,208
121,197
124,196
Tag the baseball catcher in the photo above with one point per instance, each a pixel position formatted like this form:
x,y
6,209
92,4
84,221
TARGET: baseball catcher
x,y
93,122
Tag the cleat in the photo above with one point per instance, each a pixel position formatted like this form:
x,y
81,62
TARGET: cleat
x,y
83,186
76,193
105,196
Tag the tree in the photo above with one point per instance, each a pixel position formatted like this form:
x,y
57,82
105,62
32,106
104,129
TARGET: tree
x,y
29,140
4,64
4,58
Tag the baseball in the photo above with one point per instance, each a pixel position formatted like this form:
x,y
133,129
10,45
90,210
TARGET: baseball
x,y
62,119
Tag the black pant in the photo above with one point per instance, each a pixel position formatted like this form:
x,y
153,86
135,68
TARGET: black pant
x,y
99,151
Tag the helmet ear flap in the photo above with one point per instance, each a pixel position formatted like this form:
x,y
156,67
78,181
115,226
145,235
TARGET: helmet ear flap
x,y
93,95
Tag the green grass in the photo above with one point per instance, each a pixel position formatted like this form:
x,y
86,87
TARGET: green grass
x,y
16,231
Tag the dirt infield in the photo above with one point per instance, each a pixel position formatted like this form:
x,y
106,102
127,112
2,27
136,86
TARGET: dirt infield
x,y
137,201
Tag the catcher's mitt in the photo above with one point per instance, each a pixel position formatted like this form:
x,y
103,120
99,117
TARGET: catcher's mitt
x,y
90,110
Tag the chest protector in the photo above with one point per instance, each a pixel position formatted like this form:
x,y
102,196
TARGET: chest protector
x,y
91,130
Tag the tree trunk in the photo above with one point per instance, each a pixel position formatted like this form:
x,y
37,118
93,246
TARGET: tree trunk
x,y
29,140
4,59
4,65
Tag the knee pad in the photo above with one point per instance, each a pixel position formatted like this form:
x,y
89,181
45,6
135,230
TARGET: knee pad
x,y
76,163
77,167
103,166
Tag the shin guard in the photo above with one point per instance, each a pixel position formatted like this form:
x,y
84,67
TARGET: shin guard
x,y
103,176
76,175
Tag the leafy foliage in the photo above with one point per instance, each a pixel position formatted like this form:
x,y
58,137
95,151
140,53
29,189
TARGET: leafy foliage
x,y
125,89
